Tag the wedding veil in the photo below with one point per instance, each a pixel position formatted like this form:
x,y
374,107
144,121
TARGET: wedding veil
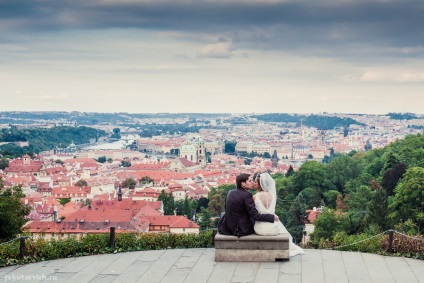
x,y
268,185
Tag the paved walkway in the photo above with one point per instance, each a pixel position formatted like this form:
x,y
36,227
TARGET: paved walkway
x,y
198,265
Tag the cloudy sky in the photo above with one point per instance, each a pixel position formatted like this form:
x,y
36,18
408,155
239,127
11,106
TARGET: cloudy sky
x,y
291,56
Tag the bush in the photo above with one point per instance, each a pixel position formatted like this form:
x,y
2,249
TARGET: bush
x,y
42,249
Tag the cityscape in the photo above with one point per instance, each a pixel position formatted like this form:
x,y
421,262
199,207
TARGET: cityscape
x,y
127,128
117,179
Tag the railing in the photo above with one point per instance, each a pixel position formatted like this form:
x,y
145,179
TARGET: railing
x,y
390,249
391,239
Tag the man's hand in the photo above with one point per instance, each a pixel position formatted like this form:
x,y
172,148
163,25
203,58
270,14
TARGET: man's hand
x,y
276,219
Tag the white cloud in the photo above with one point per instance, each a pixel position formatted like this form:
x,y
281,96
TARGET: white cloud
x,y
221,49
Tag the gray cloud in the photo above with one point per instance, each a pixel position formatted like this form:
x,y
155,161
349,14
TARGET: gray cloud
x,y
290,23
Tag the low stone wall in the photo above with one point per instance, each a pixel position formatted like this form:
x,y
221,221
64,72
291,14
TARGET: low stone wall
x,y
252,248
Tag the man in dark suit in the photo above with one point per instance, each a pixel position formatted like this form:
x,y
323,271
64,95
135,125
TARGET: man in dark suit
x,y
241,213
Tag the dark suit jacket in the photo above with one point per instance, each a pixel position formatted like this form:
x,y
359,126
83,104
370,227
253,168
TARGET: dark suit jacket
x,y
240,214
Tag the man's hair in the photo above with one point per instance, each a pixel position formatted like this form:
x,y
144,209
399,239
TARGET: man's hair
x,y
242,178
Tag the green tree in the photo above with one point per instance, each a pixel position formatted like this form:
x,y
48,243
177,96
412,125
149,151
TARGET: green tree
x,y
392,176
205,220
391,161
266,155
314,175
290,171
168,202
81,183
203,202
330,198
101,159
146,180
116,133
216,205
129,183
375,167
230,146
343,169
193,206
328,223
187,209
4,163
179,204
408,202
125,163
379,209
175,151
13,212
58,161
296,219
358,208
64,201
170,209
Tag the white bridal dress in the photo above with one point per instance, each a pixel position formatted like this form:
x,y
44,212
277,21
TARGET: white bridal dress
x,y
265,203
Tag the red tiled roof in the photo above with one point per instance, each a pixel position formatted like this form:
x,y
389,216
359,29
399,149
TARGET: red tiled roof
x,y
173,221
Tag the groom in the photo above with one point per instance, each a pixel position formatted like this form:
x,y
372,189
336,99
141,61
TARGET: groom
x,y
241,213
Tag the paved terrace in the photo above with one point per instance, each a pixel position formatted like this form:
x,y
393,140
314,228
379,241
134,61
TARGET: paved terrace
x,y
198,265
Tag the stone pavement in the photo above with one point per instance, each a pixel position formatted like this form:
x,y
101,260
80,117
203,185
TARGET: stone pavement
x,y
198,265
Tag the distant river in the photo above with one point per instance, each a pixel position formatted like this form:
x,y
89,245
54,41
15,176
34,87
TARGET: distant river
x,y
121,144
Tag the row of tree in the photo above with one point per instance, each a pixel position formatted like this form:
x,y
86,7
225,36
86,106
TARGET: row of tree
x,y
317,121
41,139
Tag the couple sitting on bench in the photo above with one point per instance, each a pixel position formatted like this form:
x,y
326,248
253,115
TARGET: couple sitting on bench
x,y
246,214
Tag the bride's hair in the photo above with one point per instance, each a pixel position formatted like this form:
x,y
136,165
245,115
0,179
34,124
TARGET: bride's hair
x,y
258,182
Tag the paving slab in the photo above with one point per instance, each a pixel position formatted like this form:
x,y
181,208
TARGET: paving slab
x,y
183,266
312,268
334,270
356,269
7,270
161,266
37,275
267,272
291,271
377,268
82,276
60,262
134,271
104,278
79,264
120,264
417,268
400,269
245,272
223,272
99,264
203,268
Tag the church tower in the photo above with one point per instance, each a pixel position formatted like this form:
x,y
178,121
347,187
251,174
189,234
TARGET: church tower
x,y
274,159
201,154
26,159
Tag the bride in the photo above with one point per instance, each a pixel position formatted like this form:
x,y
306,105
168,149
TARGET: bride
x,y
265,200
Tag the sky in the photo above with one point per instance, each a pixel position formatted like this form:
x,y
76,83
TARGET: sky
x,y
212,56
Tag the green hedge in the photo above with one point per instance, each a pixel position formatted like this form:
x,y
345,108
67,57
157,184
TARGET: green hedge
x,y
367,243
42,249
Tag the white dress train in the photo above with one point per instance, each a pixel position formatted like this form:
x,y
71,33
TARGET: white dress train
x,y
269,229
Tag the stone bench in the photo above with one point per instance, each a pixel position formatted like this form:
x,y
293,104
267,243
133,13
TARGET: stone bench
x,y
251,248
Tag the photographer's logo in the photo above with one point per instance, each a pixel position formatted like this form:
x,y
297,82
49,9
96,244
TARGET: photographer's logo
x,y
38,277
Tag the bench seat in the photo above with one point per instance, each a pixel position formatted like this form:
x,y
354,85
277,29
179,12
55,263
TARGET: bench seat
x,y
251,248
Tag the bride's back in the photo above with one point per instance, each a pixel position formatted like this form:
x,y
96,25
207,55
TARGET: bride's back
x,y
264,202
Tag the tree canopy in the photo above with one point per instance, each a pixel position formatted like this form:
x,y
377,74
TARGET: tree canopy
x,y
13,212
